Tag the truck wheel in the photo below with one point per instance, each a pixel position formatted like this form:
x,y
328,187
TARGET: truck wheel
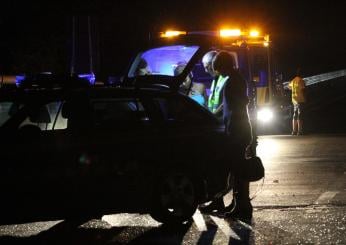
x,y
174,200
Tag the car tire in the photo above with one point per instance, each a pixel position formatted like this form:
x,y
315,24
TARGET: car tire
x,y
174,200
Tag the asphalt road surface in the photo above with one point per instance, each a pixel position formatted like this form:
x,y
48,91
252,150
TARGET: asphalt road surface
x,y
301,201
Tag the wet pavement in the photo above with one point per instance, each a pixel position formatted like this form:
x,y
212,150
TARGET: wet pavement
x,y
301,201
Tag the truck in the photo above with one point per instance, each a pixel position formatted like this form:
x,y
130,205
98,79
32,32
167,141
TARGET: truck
x,y
269,105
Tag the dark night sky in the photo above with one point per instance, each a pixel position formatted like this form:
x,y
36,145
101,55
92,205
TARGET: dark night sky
x,y
36,34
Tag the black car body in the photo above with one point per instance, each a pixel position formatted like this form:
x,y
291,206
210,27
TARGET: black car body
x,y
91,151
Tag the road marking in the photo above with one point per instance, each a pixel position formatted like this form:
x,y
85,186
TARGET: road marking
x,y
27,229
224,227
199,221
227,199
325,197
130,219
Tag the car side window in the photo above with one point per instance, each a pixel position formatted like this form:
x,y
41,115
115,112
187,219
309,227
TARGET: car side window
x,y
58,121
5,111
118,112
179,109
46,117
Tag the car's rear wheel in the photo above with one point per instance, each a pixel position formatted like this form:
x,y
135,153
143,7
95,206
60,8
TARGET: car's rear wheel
x,y
174,200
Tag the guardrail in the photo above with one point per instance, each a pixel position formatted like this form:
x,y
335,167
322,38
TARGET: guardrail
x,y
320,78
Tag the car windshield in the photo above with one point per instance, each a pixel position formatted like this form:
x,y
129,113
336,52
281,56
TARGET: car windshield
x,y
162,60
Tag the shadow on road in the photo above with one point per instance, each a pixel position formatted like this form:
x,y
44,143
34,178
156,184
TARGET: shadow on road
x,y
66,232
100,232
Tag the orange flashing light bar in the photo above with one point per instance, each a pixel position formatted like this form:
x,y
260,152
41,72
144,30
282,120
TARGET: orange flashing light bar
x,y
252,37
239,37
237,32
172,33
230,33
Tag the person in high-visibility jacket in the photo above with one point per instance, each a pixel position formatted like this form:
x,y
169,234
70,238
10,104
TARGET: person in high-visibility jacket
x,y
239,134
297,86
215,97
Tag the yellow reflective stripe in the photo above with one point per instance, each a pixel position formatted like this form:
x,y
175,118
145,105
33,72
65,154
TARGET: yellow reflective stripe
x,y
214,98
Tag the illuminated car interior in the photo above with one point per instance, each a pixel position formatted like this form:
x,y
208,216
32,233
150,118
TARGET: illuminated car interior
x,y
163,60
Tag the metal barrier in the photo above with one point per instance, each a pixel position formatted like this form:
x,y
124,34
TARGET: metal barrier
x,y
321,78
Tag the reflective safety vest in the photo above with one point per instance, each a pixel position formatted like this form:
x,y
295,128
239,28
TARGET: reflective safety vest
x,y
215,97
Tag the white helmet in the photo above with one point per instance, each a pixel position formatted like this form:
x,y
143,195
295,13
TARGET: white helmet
x,y
207,61
208,57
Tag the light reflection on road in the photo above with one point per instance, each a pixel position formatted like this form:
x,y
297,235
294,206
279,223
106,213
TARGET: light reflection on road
x,y
268,148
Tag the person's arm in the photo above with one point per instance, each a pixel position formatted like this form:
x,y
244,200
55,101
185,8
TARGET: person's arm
x,y
231,95
222,92
290,85
219,109
198,87
302,87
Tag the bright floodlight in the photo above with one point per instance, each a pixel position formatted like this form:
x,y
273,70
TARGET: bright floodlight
x,y
265,115
230,33
254,33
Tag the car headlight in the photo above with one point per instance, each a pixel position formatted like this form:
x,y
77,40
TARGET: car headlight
x,y
265,115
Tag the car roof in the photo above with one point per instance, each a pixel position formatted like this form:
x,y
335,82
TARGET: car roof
x,y
121,92
29,95
44,94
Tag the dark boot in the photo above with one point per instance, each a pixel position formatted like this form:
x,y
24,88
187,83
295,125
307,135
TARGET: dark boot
x,y
216,206
242,210
240,207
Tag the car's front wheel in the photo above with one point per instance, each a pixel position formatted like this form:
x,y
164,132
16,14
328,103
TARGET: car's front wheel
x,y
174,200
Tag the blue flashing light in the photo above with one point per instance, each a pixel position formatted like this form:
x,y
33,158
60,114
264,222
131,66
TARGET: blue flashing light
x,y
19,80
89,76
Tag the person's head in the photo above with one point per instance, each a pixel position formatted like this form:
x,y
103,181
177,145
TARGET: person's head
x,y
207,61
142,68
178,70
298,72
223,63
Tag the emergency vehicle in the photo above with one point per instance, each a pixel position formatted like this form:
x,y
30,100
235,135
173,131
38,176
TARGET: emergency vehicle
x,y
252,56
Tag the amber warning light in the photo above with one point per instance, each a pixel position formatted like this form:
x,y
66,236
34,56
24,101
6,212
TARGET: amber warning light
x,y
172,33
230,33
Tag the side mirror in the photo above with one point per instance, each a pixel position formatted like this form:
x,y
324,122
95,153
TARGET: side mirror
x,y
115,80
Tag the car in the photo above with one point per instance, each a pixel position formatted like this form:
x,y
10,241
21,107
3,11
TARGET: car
x,y
84,151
